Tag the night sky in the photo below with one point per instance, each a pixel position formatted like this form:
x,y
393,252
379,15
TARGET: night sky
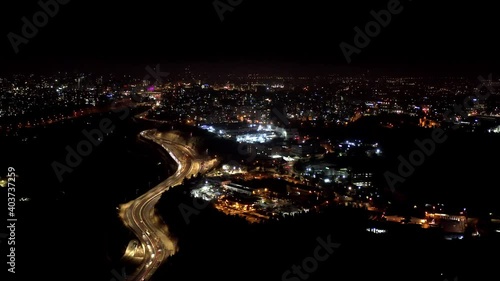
x,y
108,35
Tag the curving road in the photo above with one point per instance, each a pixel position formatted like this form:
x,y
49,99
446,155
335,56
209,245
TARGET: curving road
x,y
139,215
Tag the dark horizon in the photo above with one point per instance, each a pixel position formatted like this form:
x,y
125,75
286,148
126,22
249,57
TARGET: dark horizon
x,y
243,67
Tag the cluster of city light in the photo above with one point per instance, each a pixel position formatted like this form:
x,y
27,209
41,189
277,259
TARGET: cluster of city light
x,y
255,138
376,230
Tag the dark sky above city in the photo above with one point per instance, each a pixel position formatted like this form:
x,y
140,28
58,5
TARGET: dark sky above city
x,y
111,34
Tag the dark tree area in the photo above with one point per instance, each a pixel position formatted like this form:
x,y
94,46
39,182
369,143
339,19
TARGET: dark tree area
x,y
215,246
76,219
456,173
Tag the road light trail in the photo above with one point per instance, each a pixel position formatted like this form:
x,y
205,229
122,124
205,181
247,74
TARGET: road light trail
x,y
139,215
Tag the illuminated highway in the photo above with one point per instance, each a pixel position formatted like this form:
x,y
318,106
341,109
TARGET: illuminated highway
x,y
139,215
